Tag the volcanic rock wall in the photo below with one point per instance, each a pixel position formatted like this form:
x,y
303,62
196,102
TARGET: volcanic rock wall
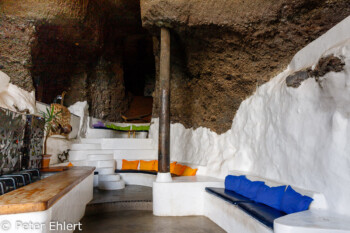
x,y
223,50
75,46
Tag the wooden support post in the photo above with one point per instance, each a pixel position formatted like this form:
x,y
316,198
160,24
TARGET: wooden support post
x,y
164,115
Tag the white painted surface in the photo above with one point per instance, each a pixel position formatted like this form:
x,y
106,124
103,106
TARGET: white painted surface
x,y
297,136
105,170
55,146
112,177
101,163
138,179
11,95
164,177
132,154
230,218
81,109
126,143
111,185
184,196
312,221
70,209
83,154
100,157
85,146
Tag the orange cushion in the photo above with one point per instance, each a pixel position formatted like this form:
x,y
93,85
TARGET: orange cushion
x,y
189,171
70,164
179,169
155,166
172,167
146,165
130,165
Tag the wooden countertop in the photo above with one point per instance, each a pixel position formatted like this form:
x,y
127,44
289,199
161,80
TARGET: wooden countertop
x,y
42,194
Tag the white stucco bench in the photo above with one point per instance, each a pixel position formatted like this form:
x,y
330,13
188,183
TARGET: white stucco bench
x,y
317,219
183,196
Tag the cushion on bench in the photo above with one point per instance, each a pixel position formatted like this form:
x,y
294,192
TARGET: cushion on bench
x,y
263,213
227,195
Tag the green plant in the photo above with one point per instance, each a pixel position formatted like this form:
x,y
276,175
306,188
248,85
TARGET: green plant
x,y
50,119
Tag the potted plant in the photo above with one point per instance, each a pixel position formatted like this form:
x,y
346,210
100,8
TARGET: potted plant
x,y
51,125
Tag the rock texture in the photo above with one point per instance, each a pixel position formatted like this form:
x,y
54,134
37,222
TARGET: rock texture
x,y
325,65
16,35
107,92
75,46
223,50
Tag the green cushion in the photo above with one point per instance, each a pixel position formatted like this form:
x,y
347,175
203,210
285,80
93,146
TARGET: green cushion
x,y
121,128
127,128
141,128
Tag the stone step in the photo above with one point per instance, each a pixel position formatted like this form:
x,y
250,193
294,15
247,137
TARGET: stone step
x,y
113,177
102,163
136,154
111,185
127,143
100,157
85,146
117,154
105,170
83,154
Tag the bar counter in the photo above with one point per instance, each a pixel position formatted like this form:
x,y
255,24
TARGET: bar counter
x,y
42,194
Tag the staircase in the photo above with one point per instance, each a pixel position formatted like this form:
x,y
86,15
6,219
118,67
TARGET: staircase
x,y
107,154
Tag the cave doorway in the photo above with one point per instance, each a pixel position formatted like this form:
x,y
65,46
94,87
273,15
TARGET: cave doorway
x,y
139,76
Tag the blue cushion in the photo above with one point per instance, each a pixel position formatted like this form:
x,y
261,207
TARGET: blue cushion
x,y
248,188
293,202
232,182
270,196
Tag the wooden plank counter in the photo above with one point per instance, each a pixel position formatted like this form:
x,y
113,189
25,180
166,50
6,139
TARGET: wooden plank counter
x,y
42,194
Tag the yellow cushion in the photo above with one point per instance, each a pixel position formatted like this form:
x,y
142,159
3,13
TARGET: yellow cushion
x,y
179,169
172,167
155,166
146,165
189,172
130,165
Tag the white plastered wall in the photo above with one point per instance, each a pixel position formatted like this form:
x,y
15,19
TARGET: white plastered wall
x,y
297,136
12,97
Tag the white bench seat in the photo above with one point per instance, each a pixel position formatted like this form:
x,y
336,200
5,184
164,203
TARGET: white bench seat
x,y
312,221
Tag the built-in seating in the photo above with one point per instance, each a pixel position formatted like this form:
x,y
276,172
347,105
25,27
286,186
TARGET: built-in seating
x,y
231,210
227,195
263,213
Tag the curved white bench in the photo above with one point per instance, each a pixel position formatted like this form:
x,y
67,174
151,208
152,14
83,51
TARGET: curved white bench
x,y
232,219
138,179
312,221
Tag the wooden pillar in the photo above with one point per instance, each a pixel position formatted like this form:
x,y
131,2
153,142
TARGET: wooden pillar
x,y
164,115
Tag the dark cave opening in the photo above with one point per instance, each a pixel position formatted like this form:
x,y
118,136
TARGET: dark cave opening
x,y
111,66
139,67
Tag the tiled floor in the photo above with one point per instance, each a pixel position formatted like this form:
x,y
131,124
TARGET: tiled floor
x,y
136,221
130,193
130,210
